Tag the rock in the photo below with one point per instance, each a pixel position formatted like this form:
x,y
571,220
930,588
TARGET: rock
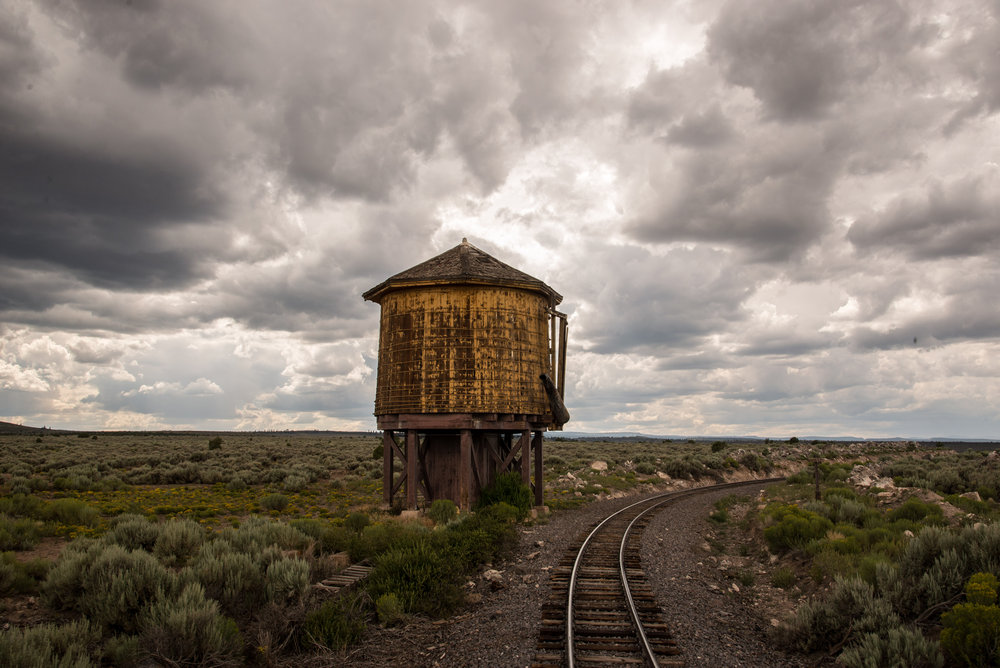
x,y
493,575
908,534
533,555
971,495
599,465
473,598
662,476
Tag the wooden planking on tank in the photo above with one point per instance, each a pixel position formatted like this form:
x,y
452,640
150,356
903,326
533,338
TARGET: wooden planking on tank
x,y
459,348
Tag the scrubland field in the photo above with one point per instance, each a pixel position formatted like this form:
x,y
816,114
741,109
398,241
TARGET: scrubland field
x,y
212,549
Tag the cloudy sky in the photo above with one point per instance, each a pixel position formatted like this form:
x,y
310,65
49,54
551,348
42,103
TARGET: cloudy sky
x,y
770,217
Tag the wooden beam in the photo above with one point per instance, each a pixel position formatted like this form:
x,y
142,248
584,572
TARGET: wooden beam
x,y
525,458
464,470
425,480
456,421
539,482
387,452
411,469
510,455
477,444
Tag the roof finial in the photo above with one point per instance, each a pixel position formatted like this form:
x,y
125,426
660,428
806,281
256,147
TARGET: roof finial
x,y
464,240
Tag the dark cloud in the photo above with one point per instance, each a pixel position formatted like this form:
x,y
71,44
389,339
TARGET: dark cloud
x,y
785,344
960,312
20,57
953,219
100,216
703,129
975,56
642,302
803,58
189,45
766,195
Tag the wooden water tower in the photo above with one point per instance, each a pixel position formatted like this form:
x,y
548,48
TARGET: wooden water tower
x,y
471,373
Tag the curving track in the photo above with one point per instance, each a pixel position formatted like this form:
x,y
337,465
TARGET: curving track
x,y
600,588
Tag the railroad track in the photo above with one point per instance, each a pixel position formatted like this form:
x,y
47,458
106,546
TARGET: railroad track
x,y
602,611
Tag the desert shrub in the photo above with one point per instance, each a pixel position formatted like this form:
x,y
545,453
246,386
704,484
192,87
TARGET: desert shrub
x,y
20,485
783,578
21,577
681,469
122,650
791,527
118,585
236,484
852,606
442,511
507,488
377,538
482,538
357,521
188,630
930,569
803,477
915,510
971,633
901,646
294,483
178,541
133,532
63,585
645,468
18,533
274,501
389,610
981,547
555,462
256,533
22,505
423,579
828,563
501,512
215,443
337,623
287,580
71,511
752,461
718,446
234,579
68,645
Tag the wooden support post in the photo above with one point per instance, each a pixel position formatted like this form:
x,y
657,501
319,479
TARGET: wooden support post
x,y
387,443
465,470
539,483
411,469
525,444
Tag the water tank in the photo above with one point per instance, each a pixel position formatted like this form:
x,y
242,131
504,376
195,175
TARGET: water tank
x,y
466,333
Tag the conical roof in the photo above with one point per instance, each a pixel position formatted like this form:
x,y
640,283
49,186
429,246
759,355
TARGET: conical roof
x,y
463,264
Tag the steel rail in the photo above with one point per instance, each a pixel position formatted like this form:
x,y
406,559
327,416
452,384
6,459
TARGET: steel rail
x,y
655,502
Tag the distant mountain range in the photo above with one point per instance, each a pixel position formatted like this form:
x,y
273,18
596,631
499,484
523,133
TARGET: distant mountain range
x,y
11,428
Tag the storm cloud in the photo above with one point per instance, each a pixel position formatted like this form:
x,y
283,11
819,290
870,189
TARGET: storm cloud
x,y
768,218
